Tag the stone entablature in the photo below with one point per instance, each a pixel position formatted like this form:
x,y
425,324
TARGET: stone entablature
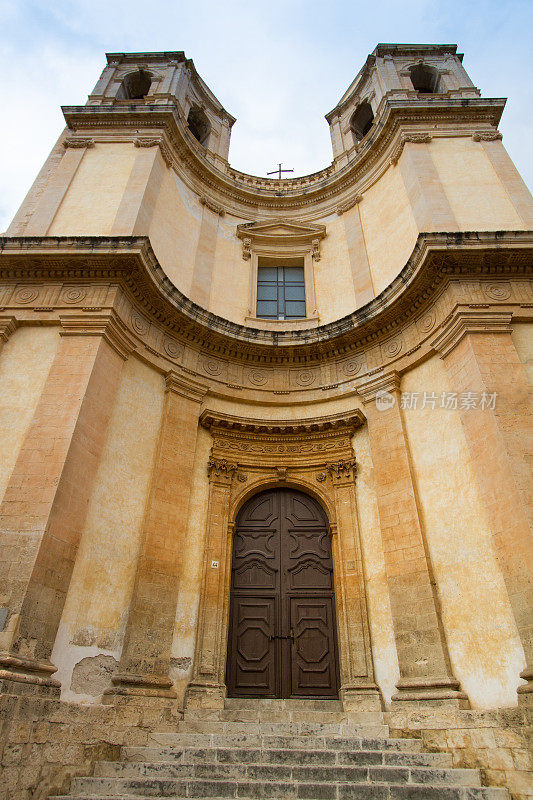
x,y
83,279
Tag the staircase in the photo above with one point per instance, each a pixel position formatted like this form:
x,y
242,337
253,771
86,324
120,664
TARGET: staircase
x,y
304,749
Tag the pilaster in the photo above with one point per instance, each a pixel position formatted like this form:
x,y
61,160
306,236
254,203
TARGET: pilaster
x,y
425,670
44,506
358,691
207,688
57,186
429,204
145,660
481,359
138,201
8,326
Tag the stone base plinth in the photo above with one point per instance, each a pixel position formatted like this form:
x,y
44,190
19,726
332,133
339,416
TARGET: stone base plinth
x,y
525,692
429,691
205,694
139,685
23,676
361,697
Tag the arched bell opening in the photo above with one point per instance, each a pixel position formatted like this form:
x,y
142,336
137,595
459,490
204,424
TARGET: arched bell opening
x,y
282,639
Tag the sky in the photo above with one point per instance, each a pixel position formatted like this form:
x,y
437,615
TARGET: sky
x,y
276,65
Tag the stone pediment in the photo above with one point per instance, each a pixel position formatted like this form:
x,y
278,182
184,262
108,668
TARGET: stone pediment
x,y
281,230
282,236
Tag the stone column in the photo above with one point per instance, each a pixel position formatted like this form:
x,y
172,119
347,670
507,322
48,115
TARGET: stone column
x,y
57,186
480,357
43,510
207,688
145,659
425,669
358,691
204,260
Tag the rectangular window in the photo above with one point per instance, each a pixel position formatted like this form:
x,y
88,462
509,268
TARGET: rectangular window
x,y
280,292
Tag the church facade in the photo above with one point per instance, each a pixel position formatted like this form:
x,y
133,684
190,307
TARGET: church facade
x,y
268,438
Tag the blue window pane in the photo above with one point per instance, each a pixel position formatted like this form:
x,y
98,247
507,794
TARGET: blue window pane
x,y
294,292
294,309
294,274
267,291
266,308
267,274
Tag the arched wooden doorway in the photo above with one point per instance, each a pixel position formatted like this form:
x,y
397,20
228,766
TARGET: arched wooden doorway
x,y
282,632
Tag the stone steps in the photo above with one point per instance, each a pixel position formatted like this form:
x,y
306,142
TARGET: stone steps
x,y
164,771
281,750
133,756
260,740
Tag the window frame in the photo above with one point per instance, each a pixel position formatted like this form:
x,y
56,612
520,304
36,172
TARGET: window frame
x,y
281,281
306,260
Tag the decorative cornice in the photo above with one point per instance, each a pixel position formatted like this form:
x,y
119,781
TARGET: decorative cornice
x,y
217,420
348,205
109,326
463,321
130,263
487,136
415,138
184,386
78,142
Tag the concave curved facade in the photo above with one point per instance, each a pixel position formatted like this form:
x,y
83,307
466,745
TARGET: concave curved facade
x,y
178,336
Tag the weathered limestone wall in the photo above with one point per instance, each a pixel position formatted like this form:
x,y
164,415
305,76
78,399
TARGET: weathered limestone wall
x,y
389,227
479,201
91,631
24,364
485,649
522,334
93,197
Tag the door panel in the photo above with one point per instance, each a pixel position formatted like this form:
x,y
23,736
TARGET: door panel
x,y
253,647
282,640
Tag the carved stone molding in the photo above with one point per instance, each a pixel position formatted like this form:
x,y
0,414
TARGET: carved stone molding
x,y
218,468
109,326
216,209
350,204
416,138
155,141
283,235
463,321
8,325
370,387
225,422
184,386
487,136
343,470
80,142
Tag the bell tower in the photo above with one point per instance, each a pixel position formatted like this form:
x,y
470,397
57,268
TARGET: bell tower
x,y
140,81
406,75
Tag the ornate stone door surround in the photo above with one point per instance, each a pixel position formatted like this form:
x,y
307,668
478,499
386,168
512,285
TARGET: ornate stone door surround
x,y
317,457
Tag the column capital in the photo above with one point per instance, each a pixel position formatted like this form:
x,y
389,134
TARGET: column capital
x,y
8,325
184,386
109,326
371,386
468,320
342,472
219,470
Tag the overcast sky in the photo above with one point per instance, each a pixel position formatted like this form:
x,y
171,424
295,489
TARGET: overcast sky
x,y
276,65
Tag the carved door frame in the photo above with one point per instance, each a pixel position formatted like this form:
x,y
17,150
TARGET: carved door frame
x,y
314,456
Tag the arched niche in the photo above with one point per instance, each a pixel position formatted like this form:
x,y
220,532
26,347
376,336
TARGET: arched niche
x,y
135,85
425,79
199,125
361,120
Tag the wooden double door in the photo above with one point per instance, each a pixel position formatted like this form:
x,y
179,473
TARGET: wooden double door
x,y
282,631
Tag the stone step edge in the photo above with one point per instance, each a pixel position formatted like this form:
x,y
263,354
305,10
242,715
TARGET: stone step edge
x,y
185,750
